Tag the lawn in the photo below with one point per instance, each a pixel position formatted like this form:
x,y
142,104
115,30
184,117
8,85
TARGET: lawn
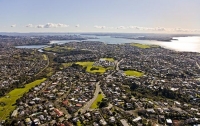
x,y
133,73
89,65
45,57
12,96
79,123
49,71
65,65
108,59
98,99
143,46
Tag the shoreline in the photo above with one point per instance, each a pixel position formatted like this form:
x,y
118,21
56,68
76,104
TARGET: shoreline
x,y
40,49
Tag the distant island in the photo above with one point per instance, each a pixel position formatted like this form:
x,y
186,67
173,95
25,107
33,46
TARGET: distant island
x,y
142,36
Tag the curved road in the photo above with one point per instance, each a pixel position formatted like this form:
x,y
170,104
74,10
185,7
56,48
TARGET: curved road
x,y
86,107
117,64
197,65
89,103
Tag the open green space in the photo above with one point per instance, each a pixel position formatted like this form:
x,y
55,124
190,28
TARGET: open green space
x,y
58,49
79,123
45,57
10,99
89,65
108,59
143,46
65,65
49,71
97,100
133,73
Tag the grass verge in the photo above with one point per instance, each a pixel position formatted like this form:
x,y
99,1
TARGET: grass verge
x,y
79,123
98,99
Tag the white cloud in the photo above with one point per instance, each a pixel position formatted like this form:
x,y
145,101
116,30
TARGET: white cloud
x,y
61,25
100,27
13,26
151,29
159,29
139,28
29,26
121,27
110,27
147,28
182,30
162,29
196,30
135,27
52,25
40,26
130,28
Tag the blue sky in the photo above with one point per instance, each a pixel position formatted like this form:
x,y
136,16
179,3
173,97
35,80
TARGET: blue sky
x,y
165,16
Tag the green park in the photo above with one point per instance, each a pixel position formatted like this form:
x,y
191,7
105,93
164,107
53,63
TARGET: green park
x,y
7,103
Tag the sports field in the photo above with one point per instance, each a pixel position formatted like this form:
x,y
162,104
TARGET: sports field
x,y
89,65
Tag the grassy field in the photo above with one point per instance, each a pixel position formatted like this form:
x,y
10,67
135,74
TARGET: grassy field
x,y
58,49
108,59
12,96
65,65
98,99
49,71
133,73
140,45
89,66
45,57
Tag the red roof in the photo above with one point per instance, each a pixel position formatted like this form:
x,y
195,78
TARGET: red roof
x,y
66,102
78,105
58,112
